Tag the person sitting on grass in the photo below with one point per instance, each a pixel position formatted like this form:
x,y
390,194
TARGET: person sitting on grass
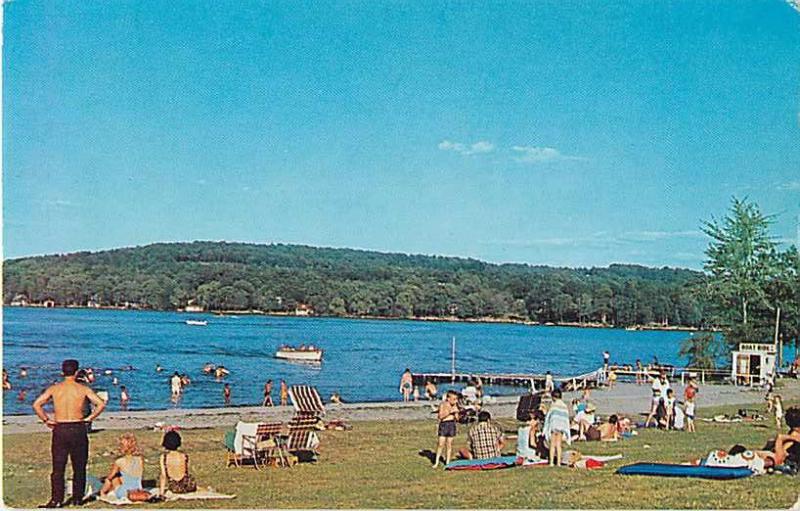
x,y
447,415
530,442
485,439
126,471
584,421
556,427
175,475
609,432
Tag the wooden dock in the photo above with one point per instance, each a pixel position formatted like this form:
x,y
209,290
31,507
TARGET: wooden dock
x,y
535,381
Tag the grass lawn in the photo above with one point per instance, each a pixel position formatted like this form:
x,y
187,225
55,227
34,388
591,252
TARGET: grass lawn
x,y
378,465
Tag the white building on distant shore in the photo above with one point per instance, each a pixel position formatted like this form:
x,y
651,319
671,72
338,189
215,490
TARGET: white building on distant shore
x,y
19,300
303,310
193,306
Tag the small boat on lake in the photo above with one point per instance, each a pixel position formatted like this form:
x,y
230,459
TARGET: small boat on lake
x,y
196,322
301,354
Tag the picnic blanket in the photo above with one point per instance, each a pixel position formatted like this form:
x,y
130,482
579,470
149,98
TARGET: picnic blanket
x,y
195,495
484,464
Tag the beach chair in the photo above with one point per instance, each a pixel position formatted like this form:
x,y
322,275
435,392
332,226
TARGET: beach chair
x,y
303,439
306,400
267,445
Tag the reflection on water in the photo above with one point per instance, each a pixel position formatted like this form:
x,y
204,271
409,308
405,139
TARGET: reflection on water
x,y
363,358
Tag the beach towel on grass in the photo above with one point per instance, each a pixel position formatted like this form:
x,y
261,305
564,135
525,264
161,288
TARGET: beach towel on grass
x,y
199,494
195,495
671,470
484,464
112,499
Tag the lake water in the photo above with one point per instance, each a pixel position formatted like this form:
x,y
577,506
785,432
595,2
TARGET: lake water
x,y
363,358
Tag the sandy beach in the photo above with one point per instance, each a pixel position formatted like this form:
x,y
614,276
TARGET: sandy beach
x,y
624,398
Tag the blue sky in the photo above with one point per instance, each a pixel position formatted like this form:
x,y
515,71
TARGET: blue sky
x,y
565,133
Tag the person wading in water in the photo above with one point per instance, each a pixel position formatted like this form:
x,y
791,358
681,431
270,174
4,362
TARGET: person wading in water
x,y
70,436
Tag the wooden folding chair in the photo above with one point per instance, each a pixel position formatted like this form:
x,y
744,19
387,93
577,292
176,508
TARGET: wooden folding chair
x,y
266,445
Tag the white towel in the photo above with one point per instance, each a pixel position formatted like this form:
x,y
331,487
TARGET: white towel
x,y
243,428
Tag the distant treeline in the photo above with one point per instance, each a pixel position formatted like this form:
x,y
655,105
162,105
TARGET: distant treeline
x,y
338,282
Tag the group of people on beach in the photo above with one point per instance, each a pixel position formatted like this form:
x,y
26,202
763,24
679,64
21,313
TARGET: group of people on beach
x,y
69,424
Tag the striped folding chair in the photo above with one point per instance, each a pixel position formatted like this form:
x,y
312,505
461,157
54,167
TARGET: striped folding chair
x,y
266,445
309,409
306,400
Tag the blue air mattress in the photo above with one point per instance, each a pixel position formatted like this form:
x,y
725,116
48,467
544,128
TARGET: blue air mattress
x,y
485,464
668,470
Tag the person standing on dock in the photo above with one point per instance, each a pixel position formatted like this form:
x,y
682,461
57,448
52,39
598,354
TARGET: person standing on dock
x,y
549,384
406,384
268,394
70,433
606,360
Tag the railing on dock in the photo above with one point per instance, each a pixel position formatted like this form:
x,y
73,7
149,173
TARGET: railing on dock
x,y
533,381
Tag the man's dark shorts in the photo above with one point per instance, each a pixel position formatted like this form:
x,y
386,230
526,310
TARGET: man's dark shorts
x,y
447,429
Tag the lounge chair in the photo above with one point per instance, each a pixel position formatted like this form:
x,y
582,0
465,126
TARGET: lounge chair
x,y
258,442
267,445
303,438
306,400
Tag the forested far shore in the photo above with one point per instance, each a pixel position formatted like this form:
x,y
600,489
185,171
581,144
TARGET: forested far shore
x,y
279,278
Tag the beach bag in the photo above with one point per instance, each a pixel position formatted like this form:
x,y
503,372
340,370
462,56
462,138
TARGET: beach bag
x,y
139,495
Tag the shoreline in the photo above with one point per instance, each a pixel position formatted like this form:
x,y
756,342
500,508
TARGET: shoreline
x,y
438,319
625,398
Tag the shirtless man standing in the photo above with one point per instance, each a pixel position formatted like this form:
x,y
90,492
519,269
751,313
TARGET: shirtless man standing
x,y
70,438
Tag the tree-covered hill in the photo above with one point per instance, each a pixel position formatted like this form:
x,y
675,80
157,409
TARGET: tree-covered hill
x,y
278,277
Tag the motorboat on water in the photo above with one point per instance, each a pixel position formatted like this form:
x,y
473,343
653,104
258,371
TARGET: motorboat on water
x,y
196,322
301,354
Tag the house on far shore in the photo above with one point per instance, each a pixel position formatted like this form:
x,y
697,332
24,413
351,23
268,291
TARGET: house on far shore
x,y
49,303
19,300
193,306
303,310
93,304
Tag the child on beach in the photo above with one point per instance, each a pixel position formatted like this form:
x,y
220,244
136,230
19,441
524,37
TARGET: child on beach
x,y
669,405
688,410
777,404
447,415
556,427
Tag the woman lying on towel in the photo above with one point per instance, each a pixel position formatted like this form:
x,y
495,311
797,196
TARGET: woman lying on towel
x,y
785,449
126,471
